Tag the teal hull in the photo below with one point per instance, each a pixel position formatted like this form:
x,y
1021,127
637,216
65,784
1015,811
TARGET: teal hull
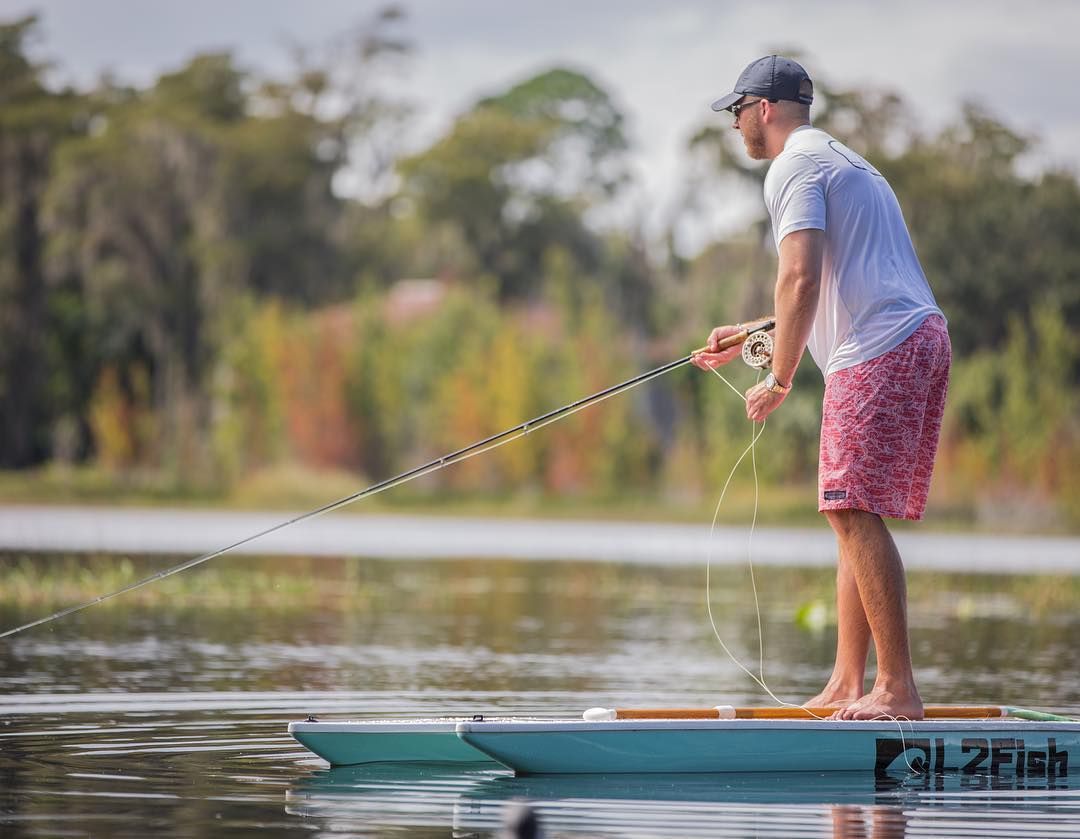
x,y
386,741
540,747
997,747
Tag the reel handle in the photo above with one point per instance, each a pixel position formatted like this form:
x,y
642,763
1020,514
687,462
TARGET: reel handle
x,y
738,337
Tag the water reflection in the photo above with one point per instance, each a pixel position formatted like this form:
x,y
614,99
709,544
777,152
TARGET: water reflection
x,y
838,805
851,822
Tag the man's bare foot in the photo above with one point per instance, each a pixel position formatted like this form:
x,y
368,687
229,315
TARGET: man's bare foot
x,y
834,697
884,704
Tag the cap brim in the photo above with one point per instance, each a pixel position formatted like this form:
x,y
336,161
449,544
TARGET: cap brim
x,y
725,102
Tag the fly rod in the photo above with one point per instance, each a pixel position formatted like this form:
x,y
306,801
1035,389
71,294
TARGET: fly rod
x,y
479,447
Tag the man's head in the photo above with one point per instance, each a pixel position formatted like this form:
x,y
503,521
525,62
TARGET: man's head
x,y
772,97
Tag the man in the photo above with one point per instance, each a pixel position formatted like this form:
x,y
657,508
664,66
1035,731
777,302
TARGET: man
x,y
850,287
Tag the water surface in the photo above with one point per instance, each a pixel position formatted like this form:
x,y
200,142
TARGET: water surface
x,y
164,712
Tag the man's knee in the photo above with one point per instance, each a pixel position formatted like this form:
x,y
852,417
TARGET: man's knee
x,y
846,523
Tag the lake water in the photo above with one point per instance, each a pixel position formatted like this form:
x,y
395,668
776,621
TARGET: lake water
x,y
164,712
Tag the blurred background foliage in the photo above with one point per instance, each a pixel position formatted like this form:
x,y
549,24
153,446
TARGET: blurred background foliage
x,y
223,277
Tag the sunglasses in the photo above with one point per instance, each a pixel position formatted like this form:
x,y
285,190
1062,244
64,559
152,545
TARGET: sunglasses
x,y
738,109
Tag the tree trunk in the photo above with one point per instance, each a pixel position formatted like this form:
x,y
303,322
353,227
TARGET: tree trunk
x,y
23,412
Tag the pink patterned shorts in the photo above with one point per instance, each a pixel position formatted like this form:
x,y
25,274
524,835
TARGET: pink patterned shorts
x,y
880,425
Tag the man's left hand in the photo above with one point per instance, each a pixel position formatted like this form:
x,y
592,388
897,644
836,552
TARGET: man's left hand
x,y
760,402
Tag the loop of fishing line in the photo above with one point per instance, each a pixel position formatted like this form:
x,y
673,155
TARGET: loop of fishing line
x,y
751,449
757,352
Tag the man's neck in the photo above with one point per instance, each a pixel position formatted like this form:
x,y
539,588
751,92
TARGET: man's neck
x,y
779,140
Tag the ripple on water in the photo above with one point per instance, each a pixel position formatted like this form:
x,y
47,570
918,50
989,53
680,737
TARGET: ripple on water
x,y
171,720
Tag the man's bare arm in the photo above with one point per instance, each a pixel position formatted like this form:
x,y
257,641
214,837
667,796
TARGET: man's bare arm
x,y
798,284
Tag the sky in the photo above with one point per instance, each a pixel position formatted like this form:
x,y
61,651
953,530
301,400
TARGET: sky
x,y
664,61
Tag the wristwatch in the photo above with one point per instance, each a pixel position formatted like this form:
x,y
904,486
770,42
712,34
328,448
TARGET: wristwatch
x,y
772,384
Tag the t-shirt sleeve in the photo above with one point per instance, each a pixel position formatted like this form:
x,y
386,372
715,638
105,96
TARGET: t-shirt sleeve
x,y
795,195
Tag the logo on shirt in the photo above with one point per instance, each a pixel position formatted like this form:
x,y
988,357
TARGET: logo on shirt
x,y
852,158
835,494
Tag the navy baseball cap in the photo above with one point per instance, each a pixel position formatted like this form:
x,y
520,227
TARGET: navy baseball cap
x,y
772,77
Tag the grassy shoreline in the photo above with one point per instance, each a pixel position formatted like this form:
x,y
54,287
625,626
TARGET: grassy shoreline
x,y
297,489
804,595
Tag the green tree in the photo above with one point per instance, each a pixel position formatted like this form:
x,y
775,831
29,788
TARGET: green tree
x,y
131,210
337,98
186,196
1012,426
517,172
33,121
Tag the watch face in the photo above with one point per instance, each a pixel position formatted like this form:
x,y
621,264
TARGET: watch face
x,y
772,384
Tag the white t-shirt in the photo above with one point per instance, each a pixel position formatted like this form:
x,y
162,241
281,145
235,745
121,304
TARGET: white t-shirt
x,y
873,290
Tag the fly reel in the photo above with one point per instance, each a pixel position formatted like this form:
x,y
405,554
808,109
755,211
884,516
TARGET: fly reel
x,y
757,350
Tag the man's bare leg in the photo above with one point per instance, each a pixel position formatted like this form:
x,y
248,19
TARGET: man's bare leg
x,y
879,576
845,685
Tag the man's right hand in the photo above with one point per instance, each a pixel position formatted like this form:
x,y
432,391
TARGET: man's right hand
x,y
712,358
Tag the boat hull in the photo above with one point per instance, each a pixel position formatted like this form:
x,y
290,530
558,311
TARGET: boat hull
x,y
386,741
998,747
539,747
